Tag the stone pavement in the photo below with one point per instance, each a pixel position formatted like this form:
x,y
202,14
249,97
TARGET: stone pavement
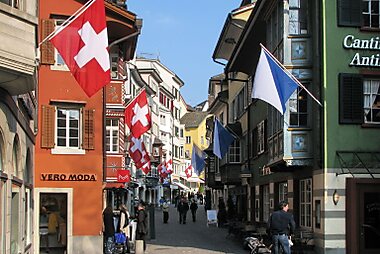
x,y
193,237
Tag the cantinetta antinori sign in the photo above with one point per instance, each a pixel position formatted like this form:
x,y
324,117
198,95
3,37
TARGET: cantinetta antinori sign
x,y
373,60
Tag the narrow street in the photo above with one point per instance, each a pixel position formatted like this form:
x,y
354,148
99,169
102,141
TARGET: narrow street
x,y
193,237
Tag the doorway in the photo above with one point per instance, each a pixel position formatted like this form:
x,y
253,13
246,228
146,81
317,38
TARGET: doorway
x,y
369,218
53,219
363,205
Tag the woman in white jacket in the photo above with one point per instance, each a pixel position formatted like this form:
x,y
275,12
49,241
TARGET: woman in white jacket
x,y
124,224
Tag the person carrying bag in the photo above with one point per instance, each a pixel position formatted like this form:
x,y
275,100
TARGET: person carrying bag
x,y
122,236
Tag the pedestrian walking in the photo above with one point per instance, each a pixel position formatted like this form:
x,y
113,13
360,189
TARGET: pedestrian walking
x,y
193,208
182,209
165,211
123,225
108,230
280,225
142,223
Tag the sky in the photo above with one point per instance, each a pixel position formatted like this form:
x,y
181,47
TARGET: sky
x,y
183,35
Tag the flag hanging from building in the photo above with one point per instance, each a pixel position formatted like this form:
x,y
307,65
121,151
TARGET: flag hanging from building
x,y
189,171
169,166
271,83
198,159
139,154
137,115
162,170
83,44
222,139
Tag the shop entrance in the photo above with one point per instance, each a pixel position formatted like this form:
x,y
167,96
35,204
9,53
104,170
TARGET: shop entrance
x,y
53,223
369,218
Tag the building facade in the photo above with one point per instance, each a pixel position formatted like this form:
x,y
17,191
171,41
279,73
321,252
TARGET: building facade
x,y
75,141
322,160
18,124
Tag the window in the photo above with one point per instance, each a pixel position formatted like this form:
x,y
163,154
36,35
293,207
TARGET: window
x,y
371,94
275,31
13,3
305,202
156,129
112,135
68,128
181,133
266,203
58,58
261,137
283,191
298,17
15,156
234,152
187,154
162,120
176,131
188,139
370,13
298,107
15,218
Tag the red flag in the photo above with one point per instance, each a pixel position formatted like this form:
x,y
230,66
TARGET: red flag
x,y
169,166
162,170
137,115
139,154
83,44
189,171
123,176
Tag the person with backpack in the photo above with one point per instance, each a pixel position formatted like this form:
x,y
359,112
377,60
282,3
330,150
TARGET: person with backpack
x,y
123,225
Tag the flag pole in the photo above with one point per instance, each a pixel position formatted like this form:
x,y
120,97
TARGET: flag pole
x,y
290,74
67,21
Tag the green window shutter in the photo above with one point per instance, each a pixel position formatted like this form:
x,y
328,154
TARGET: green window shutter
x,y
350,99
349,13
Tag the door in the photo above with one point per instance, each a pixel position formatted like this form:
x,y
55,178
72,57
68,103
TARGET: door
x,y
53,223
369,218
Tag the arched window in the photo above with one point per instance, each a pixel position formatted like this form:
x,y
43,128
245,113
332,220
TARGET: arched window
x,y
15,156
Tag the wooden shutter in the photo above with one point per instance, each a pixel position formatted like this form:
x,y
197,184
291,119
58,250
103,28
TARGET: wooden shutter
x,y
350,99
47,126
349,13
47,48
255,142
88,130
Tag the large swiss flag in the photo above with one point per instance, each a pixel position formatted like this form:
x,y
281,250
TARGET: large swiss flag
x,y
137,115
83,44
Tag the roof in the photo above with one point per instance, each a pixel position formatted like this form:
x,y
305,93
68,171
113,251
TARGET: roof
x,y
193,119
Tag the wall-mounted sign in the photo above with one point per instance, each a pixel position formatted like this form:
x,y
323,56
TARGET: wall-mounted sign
x,y
373,60
123,176
68,177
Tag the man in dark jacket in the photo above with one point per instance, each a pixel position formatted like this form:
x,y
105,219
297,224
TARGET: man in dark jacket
x,y
182,209
193,208
142,223
280,225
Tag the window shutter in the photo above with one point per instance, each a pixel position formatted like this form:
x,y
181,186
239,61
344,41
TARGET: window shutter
x,y
255,142
265,135
350,99
349,13
47,126
88,130
47,48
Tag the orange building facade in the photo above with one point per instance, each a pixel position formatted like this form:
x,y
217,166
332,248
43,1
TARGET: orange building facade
x,y
70,151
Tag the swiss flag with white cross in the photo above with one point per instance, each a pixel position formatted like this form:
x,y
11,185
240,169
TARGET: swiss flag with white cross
x,y
83,44
137,115
139,154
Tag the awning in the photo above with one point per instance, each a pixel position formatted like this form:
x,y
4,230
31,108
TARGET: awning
x,y
115,185
182,186
359,163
